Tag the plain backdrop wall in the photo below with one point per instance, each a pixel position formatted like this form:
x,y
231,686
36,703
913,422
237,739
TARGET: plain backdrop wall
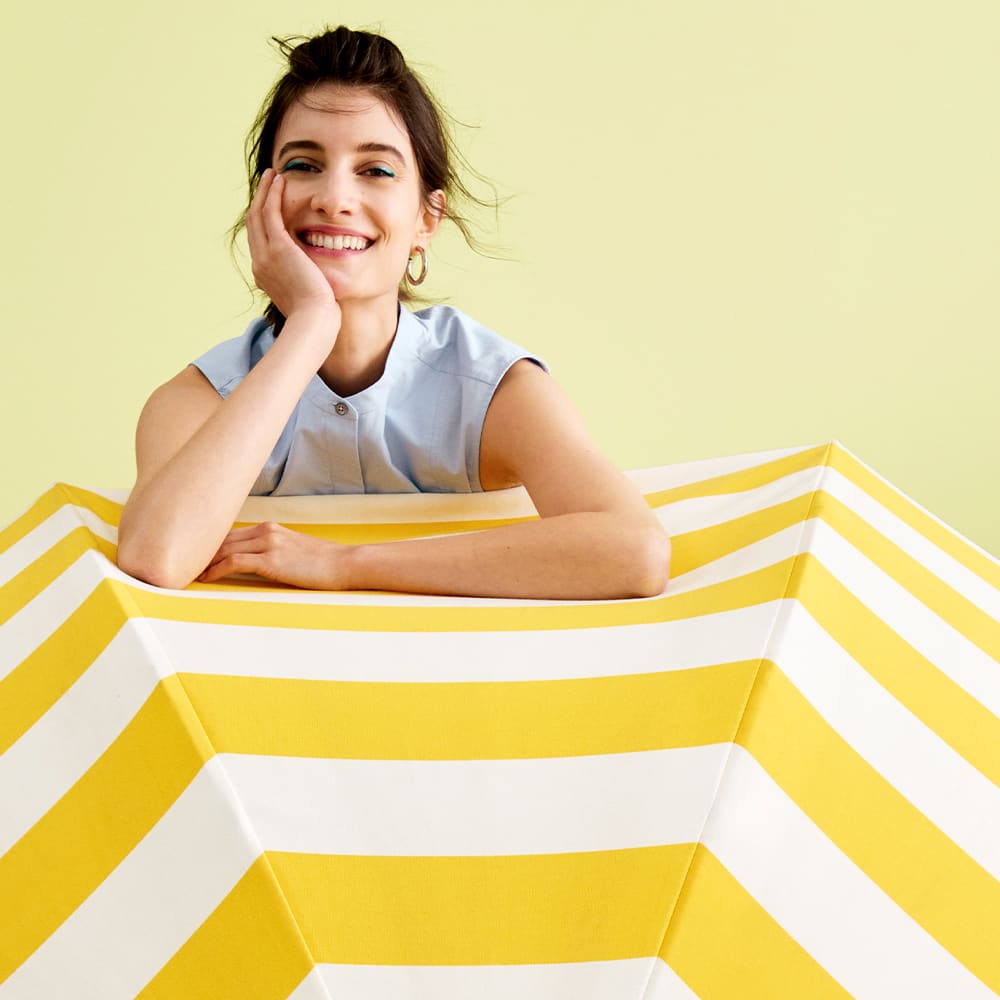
x,y
734,226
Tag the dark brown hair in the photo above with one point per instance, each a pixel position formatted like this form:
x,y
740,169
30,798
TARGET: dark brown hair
x,y
369,61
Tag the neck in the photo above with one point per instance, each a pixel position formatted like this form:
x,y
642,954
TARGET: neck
x,y
358,357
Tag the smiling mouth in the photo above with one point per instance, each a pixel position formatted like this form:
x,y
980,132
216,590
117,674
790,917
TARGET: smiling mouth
x,y
323,241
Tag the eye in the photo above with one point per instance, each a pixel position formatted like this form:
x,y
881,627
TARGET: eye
x,y
297,165
378,172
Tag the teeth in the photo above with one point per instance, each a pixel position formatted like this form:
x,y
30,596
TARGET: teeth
x,y
337,242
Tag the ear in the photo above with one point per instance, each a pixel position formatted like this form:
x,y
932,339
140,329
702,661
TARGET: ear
x,y
431,214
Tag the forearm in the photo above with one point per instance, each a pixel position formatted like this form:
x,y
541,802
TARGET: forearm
x,y
173,523
577,556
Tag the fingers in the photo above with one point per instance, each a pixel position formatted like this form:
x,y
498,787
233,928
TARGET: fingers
x,y
240,562
265,224
274,224
253,538
281,268
271,223
280,554
256,231
252,531
243,550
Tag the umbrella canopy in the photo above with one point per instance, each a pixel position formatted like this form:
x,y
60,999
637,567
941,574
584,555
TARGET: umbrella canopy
x,y
778,779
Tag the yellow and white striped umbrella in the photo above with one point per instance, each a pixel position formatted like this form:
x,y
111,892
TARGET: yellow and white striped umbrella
x,y
780,779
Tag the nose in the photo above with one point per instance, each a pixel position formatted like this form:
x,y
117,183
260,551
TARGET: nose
x,y
335,194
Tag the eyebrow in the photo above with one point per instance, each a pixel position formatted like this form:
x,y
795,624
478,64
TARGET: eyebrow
x,y
380,147
364,147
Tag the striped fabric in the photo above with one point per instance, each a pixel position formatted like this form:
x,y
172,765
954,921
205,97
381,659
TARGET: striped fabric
x,y
778,780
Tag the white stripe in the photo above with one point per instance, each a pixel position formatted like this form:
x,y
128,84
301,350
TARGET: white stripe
x,y
698,513
655,479
116,494
159,895
703,512
957,535
477,807
854,930
23,632
638,978
347,599
954,655
40,767
942,784
946,647
44,536
773,549
94,523
665,984
316,654
948,569
312,987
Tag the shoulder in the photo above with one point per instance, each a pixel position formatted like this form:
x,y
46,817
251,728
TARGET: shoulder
x,y
527,401
452,342
228,363
172,414
528,415
188,393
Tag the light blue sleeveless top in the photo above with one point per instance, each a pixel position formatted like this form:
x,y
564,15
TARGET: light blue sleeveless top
x,y
417,429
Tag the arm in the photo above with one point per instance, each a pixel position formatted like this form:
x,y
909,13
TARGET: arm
x,y
197,455
596,537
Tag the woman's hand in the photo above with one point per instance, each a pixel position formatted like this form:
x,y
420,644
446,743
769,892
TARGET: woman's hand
x,y
281,267
280,554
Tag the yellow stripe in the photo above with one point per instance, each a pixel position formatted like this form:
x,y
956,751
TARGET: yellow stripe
x,y
743,480
941,704
49,502
41,510
109,511
693,549
63,858
725,945
939,534
47,568
45,675
600,905
897,846
958,611
471,721
759,587
249,947
48,672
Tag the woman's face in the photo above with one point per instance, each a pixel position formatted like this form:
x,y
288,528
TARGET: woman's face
x,y
352,196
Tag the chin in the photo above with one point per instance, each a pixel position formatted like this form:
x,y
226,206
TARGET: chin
x,y
349,291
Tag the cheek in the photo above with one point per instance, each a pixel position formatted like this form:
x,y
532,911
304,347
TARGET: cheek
x,y
292,202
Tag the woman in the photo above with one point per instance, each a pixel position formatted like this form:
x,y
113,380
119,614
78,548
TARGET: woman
x,y
339,388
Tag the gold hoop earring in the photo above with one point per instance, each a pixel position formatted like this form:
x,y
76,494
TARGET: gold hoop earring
x,y
419,280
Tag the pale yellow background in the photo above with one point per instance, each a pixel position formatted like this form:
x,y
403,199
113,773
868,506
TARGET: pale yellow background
x,y
736,225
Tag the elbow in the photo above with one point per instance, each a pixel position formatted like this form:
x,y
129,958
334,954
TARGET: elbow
x,y
150,564
649,563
